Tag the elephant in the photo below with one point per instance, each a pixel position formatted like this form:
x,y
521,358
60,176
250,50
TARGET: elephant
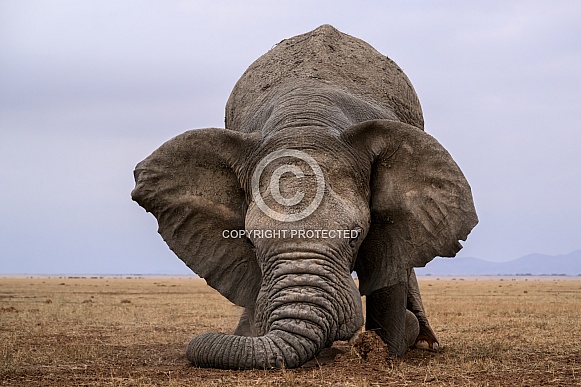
x,y
323,169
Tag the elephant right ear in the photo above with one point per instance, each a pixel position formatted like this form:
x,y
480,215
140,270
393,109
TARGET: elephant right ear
x,y
421,204
191,185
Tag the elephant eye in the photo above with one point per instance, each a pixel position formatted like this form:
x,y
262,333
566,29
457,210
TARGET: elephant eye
x,y
355,235
250,241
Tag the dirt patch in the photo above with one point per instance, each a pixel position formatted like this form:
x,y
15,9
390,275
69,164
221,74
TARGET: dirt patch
x,y
370,347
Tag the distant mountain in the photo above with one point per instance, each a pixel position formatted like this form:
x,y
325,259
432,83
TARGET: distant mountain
x,y
533,264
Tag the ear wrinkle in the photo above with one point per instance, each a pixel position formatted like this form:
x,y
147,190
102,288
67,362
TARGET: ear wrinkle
x,y
242,161
240,149
369,137
383,158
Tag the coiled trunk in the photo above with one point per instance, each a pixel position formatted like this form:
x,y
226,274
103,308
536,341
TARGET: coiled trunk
x,y
296,333
277,349
303,306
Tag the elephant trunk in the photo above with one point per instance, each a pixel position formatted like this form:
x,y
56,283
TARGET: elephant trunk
x,y
296,336
276,349
297,315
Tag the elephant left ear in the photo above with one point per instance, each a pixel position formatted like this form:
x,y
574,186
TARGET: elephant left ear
x,y
191,185
421,204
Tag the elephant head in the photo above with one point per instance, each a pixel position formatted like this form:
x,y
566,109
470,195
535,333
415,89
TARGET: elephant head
x,y
277,218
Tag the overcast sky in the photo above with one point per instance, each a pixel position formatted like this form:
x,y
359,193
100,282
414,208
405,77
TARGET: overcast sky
x,y
90,88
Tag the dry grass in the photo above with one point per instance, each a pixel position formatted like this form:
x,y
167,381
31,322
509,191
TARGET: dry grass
x,y
132,332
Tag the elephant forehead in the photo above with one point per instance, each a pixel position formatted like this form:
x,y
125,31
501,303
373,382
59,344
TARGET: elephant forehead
x,y
307,168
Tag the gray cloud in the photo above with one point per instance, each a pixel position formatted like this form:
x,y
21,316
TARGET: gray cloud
x,y
91,88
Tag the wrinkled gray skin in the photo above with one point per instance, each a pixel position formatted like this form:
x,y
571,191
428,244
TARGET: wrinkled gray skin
x,y
356,114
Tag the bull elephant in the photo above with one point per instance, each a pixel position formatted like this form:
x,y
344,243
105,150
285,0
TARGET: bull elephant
x,y
323,169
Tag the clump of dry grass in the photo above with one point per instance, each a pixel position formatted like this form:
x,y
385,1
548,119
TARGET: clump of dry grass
x,y
492,333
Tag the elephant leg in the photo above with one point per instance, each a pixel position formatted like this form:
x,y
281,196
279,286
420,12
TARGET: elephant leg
x,y
246,326
415,305
387,317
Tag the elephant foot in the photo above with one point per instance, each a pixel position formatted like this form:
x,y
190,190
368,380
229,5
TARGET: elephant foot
x,y
426,338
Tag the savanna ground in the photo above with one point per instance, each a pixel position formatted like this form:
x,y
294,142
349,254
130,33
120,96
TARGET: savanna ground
x,y
133,332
